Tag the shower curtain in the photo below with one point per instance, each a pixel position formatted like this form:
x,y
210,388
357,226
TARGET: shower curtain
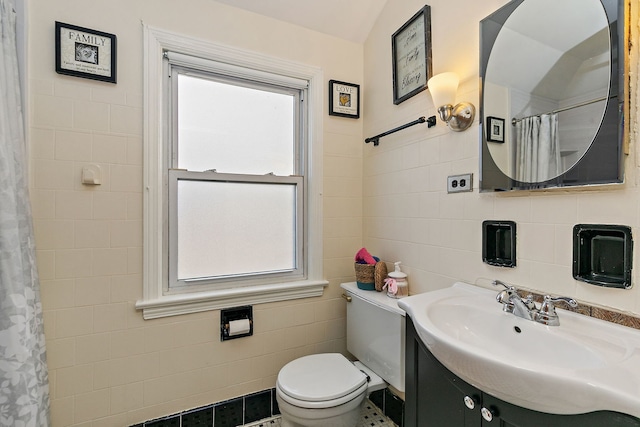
x,y
24,386
537,155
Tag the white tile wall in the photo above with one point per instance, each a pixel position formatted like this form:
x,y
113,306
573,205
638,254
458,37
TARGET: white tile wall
x,y
408,215
107,366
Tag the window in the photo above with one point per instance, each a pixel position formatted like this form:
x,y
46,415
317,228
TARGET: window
x,y
232,178
236,180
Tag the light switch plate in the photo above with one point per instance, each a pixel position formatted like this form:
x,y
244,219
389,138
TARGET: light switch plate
x,y
460,183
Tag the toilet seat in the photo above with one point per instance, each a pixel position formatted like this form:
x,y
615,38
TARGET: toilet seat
x,y
320,381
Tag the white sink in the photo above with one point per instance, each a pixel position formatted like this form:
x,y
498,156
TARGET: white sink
x,y
581,366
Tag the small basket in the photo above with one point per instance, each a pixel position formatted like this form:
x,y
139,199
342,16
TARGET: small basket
x,y
380,275
365,276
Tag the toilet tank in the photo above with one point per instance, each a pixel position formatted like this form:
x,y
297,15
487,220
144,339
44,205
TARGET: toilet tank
x,y
376,333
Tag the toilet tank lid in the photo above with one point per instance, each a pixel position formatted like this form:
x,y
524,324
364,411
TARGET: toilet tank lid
x,y
320,377
379,299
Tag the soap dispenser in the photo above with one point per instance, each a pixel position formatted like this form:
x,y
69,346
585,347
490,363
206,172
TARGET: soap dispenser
x,y
397,284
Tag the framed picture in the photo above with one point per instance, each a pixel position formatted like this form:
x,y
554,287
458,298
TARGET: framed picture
x,y
495,129
344,99
411,52
86,53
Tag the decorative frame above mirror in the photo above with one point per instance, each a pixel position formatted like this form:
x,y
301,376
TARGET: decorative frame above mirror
x,y
588,149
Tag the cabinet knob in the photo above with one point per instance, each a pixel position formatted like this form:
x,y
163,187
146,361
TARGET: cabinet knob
x,y
469,402
487,414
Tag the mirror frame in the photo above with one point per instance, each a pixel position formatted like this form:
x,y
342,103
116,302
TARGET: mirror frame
x,y
603,161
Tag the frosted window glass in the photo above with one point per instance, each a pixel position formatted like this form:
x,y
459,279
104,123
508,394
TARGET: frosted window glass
x,y
229,229
234,129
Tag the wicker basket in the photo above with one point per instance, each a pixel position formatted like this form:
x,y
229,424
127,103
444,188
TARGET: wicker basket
x,y
380,275
365,276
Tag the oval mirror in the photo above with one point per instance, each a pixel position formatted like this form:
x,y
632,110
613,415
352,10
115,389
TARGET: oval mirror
x,y
550,103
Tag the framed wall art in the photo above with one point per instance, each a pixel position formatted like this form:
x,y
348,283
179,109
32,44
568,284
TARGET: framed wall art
x,y
411,53
344,99
86,53
495,129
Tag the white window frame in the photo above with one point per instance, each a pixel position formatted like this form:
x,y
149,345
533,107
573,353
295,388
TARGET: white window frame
x,y
156,301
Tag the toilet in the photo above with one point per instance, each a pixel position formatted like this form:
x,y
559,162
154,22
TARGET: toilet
x,y
328,389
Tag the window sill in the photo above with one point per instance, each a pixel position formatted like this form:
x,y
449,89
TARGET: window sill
x,y
174,305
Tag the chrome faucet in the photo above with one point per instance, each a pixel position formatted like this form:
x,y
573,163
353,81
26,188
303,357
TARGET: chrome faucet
x,y
547,314
512,303
526,308
521,307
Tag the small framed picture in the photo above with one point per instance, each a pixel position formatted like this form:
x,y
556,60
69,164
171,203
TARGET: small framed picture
x,y
344,99
495,129
86,53
411,56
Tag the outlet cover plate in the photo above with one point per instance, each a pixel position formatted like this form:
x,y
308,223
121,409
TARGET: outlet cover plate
x,y
460,183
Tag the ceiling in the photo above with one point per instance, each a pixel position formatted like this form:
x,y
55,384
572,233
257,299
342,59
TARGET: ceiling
x,y
350,20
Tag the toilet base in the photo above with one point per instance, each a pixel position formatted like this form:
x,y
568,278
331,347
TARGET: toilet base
x,y
349,419
347,415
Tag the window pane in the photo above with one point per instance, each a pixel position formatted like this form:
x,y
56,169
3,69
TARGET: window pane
x,y
234,129
235,228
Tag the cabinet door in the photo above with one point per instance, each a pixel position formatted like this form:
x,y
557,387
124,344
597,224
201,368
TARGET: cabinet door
x,y
508,415
434,398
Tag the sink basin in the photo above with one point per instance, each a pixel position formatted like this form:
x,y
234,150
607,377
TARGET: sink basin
x,y
581,366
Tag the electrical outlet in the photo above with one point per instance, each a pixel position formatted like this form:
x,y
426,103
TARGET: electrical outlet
x,y
459,183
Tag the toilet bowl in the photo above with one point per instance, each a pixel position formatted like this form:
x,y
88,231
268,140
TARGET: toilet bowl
x,y
323,390
328,389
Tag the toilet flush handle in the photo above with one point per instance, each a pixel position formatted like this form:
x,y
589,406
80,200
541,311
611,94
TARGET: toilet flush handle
x,y
347,297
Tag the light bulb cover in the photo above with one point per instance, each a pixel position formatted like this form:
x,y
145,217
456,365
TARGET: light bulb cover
x,y
443,88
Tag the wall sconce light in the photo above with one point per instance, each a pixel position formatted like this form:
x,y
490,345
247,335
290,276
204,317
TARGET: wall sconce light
x,y
443,88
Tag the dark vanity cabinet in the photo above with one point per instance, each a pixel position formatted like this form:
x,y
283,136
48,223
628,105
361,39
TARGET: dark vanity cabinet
x,y
435,397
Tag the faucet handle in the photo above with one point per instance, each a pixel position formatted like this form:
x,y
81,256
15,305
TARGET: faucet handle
x,y
504,296
506,287
547,314
548,303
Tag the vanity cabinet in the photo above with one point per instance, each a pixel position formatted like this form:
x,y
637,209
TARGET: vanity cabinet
x,y
436,397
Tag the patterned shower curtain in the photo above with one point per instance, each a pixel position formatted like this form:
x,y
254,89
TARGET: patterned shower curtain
x,y
24,386
537,149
